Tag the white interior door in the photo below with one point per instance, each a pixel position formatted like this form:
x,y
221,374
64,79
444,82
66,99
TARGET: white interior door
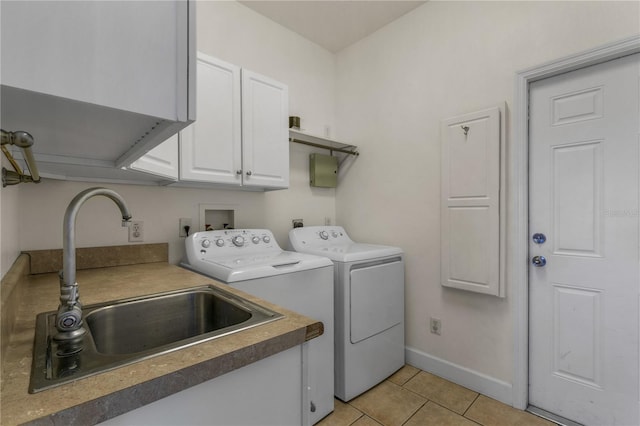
x,y
584,316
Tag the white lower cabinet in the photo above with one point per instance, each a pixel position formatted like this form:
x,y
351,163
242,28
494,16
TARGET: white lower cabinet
x,y
241,136
267,392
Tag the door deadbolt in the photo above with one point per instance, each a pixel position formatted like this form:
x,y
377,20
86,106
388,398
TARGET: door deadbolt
x,y
539,238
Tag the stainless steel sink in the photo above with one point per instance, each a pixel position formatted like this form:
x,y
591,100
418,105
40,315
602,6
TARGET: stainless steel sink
x,y
130,330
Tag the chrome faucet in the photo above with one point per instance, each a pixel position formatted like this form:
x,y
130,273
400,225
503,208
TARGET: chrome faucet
x,y
69,317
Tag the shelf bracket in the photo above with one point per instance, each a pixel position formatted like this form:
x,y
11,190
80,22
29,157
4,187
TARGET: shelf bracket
x,y
324,143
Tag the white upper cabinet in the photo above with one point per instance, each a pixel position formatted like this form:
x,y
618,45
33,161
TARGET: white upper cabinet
x,y
241,136
97,83
210,149
265,132
161,161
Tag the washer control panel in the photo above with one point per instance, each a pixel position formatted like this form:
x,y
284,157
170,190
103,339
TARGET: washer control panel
x,y
318,236
231,241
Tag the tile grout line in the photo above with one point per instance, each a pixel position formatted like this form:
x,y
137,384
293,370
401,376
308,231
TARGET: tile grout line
x,y
358,418
470,405
418,409
402,388
458,414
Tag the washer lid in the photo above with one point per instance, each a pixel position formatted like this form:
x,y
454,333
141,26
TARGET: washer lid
x,y
334,243
353,252
257,265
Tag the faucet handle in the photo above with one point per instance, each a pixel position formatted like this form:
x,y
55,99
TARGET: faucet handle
x,y
69,323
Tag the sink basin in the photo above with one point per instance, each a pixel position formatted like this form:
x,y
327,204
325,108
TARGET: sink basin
x,y
130,330
139,325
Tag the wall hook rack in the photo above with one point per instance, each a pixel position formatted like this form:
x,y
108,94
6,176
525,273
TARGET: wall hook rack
x,y
465,129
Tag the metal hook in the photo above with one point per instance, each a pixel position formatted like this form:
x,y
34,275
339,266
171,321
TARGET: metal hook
x,y
465,129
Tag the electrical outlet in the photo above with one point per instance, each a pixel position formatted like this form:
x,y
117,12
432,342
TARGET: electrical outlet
x,y
136,231
185,227
297,223
435,326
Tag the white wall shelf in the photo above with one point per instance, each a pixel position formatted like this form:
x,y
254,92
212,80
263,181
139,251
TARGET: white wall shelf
x,y
298,136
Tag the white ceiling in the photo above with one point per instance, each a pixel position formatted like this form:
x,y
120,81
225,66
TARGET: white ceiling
x,y
333,24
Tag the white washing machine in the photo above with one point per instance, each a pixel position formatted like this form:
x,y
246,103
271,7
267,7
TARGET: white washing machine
x,y
369,306
251,260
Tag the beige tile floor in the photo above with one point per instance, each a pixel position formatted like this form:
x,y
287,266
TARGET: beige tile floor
x,y
413,397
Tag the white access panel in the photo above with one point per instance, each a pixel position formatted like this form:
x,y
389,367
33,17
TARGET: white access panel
x,y
377,303
472,234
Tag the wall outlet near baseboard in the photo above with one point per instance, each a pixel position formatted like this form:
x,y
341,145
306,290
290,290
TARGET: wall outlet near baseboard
x,y
435,326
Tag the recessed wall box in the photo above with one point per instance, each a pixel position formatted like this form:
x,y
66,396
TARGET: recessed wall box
x,y
323,170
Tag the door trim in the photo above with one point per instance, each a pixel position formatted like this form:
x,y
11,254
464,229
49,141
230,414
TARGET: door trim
x,y
518,196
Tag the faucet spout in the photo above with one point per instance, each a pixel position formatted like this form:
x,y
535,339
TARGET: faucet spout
x,y
69,317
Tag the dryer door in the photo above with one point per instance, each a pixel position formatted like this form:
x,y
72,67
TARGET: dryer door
x,y
377,297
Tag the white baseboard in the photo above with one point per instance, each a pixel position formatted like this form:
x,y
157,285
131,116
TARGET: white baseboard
x,y
486,385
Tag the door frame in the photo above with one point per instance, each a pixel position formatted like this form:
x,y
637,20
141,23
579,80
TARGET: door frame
x,y
518,195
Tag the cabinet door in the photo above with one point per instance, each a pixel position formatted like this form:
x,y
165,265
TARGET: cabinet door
x,y
96,83
100,52
265,132
161,160
210,149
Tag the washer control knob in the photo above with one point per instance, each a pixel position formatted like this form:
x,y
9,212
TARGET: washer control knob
x,y
324,235
206,243
255,239
334,234
219,242
266,239
238,241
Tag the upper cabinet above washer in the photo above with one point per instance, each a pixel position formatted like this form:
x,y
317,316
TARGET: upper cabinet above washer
x,y
265,132
240,137
97,83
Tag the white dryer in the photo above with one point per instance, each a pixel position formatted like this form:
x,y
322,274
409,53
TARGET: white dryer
x,y
251,260
369,306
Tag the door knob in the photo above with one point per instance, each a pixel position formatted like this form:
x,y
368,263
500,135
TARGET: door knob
x,y
538,261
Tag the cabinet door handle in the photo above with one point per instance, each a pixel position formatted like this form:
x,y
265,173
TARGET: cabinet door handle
x,y
239,172
249,173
